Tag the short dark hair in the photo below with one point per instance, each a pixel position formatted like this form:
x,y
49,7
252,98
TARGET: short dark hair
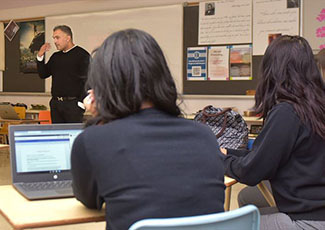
x,y
128,69
64,28
289,73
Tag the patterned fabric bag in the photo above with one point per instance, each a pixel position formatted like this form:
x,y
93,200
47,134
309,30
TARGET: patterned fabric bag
x,y
228,126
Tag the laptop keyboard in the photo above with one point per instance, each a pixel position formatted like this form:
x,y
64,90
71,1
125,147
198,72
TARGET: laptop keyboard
x,y
52,185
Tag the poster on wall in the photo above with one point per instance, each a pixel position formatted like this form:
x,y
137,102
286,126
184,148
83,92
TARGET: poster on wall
x,y
196,63
11,30
240,62
272,18
218,63
32,37
225,22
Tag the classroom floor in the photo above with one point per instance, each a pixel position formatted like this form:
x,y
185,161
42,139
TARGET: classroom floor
x,y
5,178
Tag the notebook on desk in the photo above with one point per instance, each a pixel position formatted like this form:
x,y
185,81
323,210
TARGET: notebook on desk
x,y
40,159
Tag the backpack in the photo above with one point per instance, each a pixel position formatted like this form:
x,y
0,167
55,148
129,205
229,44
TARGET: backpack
x,y
229,126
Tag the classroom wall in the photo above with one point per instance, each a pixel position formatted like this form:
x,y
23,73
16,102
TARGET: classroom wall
x,y
190,103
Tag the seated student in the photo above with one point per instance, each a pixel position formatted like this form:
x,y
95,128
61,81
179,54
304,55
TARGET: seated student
x,y
251,194
290,150
320,59
139,157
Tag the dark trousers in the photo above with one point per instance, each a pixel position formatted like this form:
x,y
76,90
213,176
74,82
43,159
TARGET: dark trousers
x,y
252,195
271,218
66,111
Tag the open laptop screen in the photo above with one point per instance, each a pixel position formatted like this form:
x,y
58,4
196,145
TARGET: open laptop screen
x,y
41,152
40,156
44,150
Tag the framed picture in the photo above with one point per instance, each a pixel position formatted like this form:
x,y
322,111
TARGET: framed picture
x,y
32,37
11,30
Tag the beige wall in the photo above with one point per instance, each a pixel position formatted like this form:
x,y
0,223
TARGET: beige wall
x,y
81,7
191,103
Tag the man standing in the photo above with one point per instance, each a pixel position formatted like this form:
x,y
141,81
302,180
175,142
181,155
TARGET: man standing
x,y
68,68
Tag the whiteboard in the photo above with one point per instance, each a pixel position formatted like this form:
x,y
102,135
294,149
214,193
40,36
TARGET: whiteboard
x,y
312,20
164,23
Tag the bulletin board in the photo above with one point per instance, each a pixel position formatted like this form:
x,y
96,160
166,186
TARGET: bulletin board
x,y
217,36
190,39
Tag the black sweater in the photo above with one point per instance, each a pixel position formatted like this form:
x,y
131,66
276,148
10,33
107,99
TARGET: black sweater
x,y
148,165
68,70
292,158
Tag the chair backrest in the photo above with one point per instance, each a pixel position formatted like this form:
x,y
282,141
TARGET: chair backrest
x,y
45,115
244,218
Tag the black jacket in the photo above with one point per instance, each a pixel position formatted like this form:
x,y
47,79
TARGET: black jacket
x,y
148,165
69,72
288,154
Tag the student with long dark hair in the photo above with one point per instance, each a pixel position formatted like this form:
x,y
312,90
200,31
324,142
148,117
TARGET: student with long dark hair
x,y
290,150
251,194
137,155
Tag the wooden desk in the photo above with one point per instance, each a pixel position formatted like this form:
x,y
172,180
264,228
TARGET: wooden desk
x,y
228,182
254,120
4,157
4,146
6,122
261,186
32,113
22,121
266,193
22,213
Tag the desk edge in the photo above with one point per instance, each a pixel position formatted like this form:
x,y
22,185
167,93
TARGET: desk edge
x,y
56,223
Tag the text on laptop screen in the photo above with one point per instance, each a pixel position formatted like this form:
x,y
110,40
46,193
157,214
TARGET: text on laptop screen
x,y
44,150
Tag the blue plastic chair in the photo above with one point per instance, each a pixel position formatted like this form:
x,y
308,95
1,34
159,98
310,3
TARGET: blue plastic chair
x,y
244,218
250,143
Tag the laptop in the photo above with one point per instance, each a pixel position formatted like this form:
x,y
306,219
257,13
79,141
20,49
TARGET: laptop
x,y
40,159
7,111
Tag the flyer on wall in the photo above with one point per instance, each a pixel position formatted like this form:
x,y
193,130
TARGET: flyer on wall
x,y
11,30
196,63
218,64
271,19
225,22
241,62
